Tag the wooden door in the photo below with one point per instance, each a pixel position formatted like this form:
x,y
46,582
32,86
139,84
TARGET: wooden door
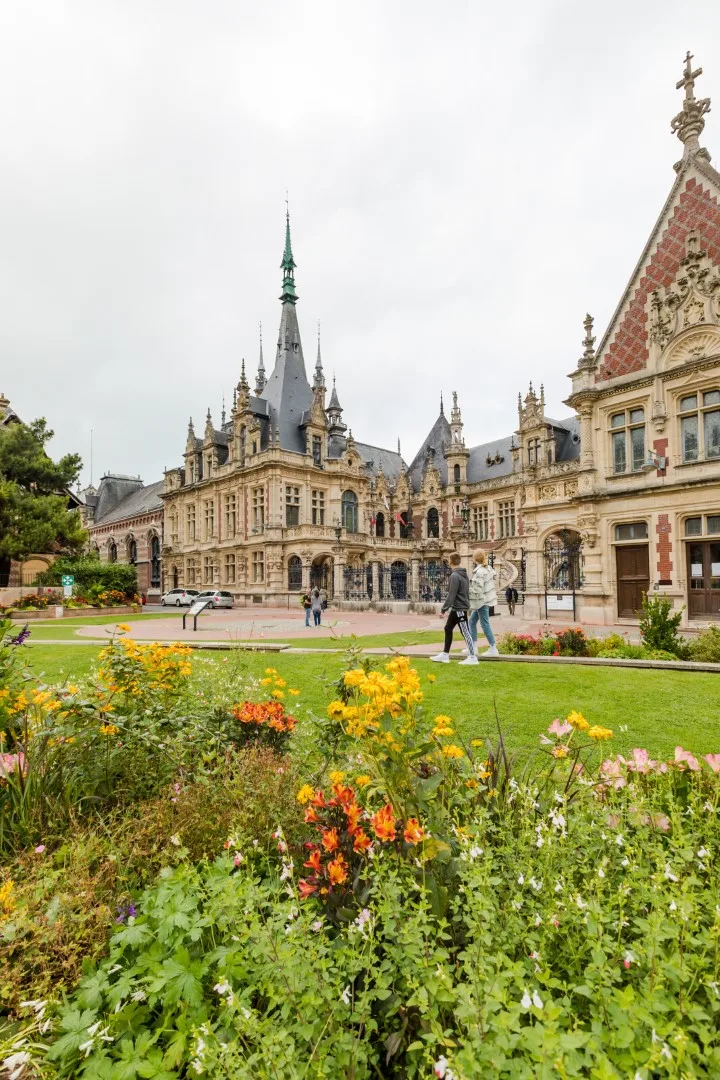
x,y
703,559
633,578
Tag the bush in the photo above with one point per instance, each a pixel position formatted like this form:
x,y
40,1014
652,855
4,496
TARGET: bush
x,y
562,921
92,577
659,629
706,646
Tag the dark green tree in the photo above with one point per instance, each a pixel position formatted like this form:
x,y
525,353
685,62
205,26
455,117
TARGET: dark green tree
x,y
34,495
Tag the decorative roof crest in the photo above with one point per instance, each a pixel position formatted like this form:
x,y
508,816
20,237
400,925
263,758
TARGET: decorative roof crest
x,y
689,123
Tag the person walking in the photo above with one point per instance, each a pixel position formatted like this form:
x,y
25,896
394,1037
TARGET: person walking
x,y
511,596
307,604
316,607
456,605
482,596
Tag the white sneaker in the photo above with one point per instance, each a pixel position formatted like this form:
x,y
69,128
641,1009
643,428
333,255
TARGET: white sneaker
x,y
441,658
466,652
492,651
470,660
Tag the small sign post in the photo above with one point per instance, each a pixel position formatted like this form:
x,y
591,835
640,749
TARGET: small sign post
x,y
68,580
195,610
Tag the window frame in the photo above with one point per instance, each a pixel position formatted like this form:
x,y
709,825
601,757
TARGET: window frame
x,y
481,521
507,519
258,567
697,415
318,506
292,506
623,434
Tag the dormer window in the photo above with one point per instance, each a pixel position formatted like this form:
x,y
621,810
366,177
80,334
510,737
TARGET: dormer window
x,y
534,449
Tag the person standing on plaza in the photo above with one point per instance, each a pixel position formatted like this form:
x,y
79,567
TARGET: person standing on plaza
x,y
482,596
456,605
511,595
317,607
307,604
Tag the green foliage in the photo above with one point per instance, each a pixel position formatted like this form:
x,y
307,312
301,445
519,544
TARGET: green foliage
x,y
706,646
33,507
92,577
659,628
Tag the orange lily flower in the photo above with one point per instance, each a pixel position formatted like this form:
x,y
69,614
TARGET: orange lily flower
x,y
414,831
383,823
361,842
314,861
337,870
306,888
330,840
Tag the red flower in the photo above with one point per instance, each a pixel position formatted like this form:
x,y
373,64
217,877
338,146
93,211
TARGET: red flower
x,y
319,799
310,816
383,823
306,887
352,814
313,862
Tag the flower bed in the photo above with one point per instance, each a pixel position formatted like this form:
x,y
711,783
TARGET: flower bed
x,y
366,893
72,613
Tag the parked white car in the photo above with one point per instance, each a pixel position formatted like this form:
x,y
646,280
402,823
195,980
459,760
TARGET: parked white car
x,y
216,598
178,597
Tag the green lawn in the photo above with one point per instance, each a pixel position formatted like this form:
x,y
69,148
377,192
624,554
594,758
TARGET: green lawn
x,y
66,629
655,709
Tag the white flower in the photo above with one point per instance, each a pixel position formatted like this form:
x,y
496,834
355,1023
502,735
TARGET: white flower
x,y
364,920
86,1047
39,1006
222,988
673,906
625,861
139,995
345,996
558,886
525,1001
601,872
537,1000
521,879
702,853
538,920
15,1064
317,925
475,852
580,902
669,874
440,1068
665,1052
537,885
175,840
619,839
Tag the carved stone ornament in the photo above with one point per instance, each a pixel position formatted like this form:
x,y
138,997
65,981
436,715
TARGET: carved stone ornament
x,y
571,488
684,318
659,415
548,491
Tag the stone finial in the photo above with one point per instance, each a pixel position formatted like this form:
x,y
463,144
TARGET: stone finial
x,y
319,380
442,406
260,381
222,415
588,360
689,123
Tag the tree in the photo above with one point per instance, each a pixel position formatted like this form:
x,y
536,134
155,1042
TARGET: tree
x,y
34,492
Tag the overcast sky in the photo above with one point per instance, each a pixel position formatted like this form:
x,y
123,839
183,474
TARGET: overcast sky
x,y
465,181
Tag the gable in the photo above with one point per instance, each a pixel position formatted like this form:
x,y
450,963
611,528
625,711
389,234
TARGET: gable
x,y
695,208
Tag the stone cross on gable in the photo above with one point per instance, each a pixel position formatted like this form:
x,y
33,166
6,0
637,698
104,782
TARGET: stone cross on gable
x,y
689,123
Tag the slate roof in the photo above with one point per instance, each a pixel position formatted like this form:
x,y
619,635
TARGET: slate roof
x,y
288,393
437,439
121,497
376,458
477,466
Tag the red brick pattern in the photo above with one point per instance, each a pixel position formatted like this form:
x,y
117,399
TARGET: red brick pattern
x,y
696,209
664,550
660,447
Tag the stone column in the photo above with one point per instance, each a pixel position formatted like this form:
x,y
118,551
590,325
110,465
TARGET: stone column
x,y
586,446
415,579
338,577
375,580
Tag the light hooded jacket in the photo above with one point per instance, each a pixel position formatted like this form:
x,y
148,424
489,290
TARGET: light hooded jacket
x,y
457,598
482,588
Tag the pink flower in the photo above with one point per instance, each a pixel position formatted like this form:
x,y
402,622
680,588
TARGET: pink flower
x,y
10,763
684,757
640,761
612,770
660,821
626,963
560,728
39,849
713,761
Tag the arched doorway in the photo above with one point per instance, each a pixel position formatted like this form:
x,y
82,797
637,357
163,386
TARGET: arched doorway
x,y
112,551
174,577
380,524
321,574
155,562
398,580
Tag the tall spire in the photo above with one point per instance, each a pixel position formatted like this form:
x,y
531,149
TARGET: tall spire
x,y
689,123
319,380
442,406
260,381
289,296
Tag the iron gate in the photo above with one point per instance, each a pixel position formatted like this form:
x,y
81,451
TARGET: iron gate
x,y
393,581
357,582
434,581
563,571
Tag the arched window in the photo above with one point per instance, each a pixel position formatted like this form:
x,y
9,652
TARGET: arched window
x,y
132,551
155,562
398,580
294,573
433,523
175,577
456,474
350,511
380,524
112,551
405,523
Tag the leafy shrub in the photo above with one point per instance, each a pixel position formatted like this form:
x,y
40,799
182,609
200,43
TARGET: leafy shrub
x,y
658,628
572,642
33,602
66,900
92,577
706,646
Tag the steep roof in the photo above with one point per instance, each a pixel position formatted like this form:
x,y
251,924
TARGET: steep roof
x,y
143,500
375,458
478,468
436,440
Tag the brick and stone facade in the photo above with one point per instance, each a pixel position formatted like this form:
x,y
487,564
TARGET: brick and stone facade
x,y
124,519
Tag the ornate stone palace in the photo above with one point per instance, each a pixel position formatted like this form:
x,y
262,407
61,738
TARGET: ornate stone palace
x,y
584,514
